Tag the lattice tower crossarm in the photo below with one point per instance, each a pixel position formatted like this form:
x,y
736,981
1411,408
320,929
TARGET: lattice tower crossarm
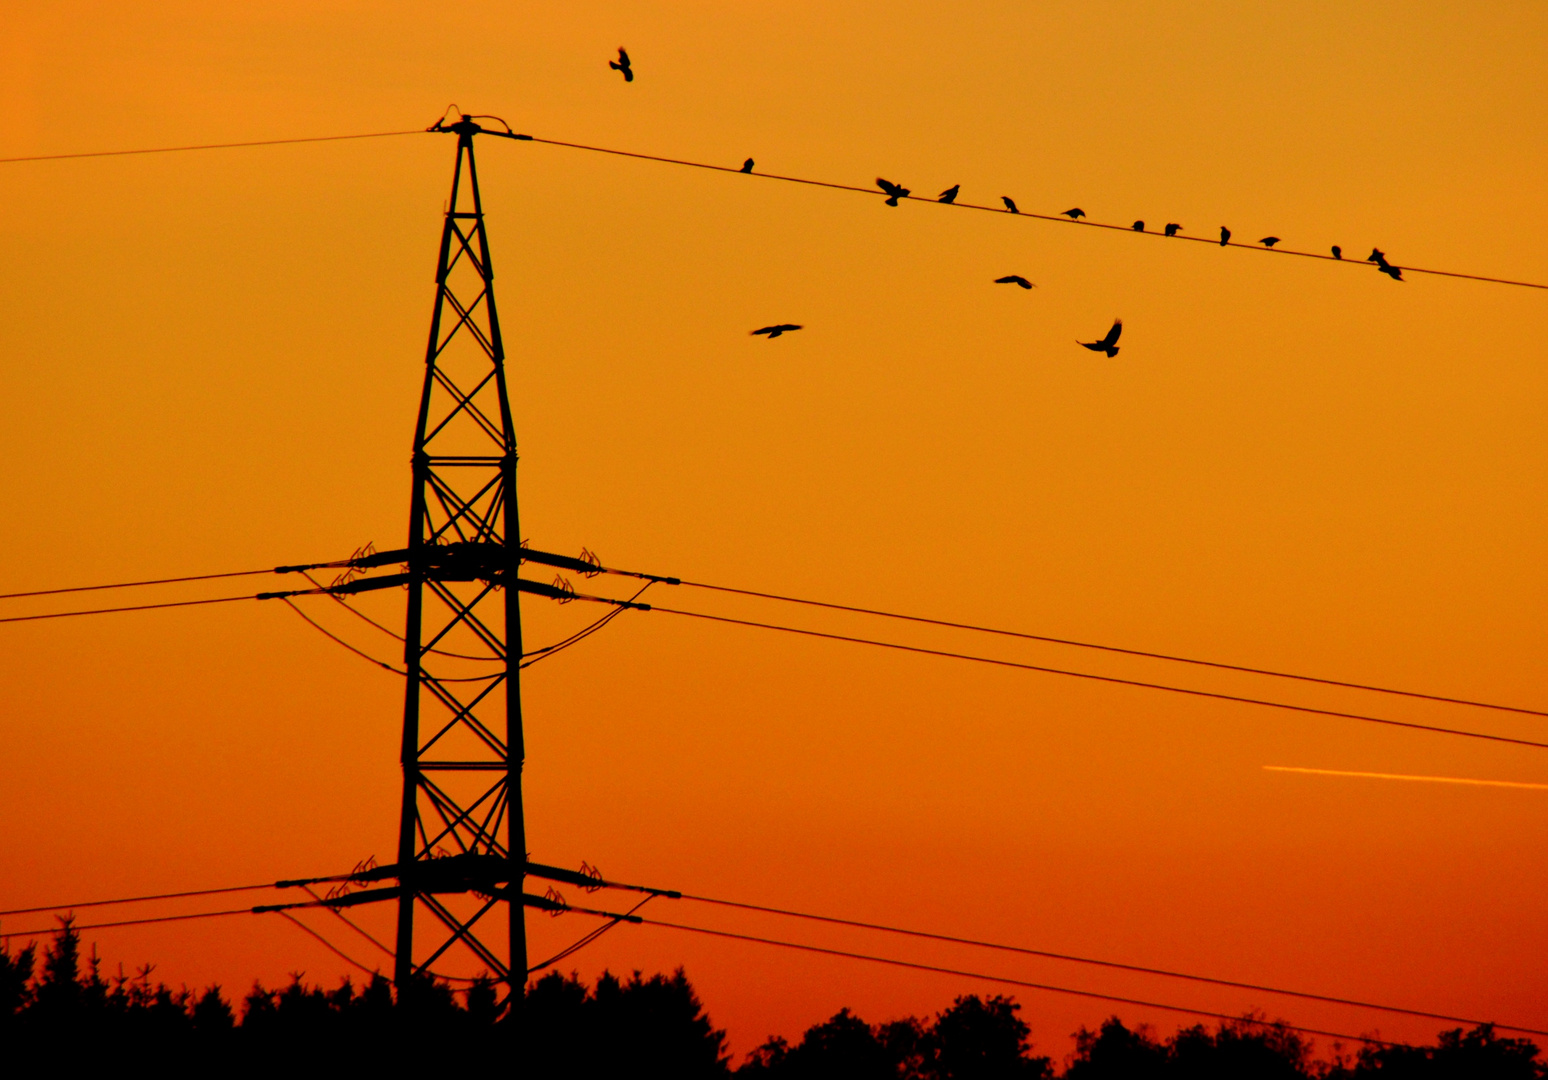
x,y
462,747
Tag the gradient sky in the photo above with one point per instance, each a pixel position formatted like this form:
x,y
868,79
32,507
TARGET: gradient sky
x,y
212,362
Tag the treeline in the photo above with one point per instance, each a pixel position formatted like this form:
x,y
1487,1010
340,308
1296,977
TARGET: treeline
x,y
59,1014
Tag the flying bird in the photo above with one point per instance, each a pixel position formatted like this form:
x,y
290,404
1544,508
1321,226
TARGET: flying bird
x,y
1171,228
1109,344
1139,226
775,331
1010,204
1338,252
622,64
1014,279
949,196
1225,236
1269,241
747,165
1075,213
894,192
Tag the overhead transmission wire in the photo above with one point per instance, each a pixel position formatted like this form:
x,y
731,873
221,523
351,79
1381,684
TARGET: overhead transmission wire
x,y
209,146
1114,964
896,646
587,939
1008,981
958,204
651,579
1171,657
132,584
330,946
139,899
631,916
660,159
1111,679
357,613
133,607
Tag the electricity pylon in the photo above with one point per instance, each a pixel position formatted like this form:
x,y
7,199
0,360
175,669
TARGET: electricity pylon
x,y
462,746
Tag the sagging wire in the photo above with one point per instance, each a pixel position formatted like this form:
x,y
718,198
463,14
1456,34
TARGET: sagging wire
x,y
357,613
587,939
367,656
580,635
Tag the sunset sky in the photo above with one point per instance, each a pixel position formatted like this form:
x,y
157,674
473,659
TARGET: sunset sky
x,y
212,360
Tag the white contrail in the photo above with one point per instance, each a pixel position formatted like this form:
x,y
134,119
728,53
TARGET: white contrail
x,y
1398,776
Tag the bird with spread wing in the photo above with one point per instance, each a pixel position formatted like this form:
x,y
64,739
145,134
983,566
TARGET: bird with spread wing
x,y
776,330
894,191
1014,279
1109,344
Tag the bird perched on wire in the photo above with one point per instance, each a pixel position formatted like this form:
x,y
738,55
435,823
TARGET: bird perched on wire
x,y
747,165
894,192
1379,257
774,331
1074,213
949,196
1225,236
622,64
1269,241
1338,252
1010,204
1014,279
1139,226
1109,344
1172,227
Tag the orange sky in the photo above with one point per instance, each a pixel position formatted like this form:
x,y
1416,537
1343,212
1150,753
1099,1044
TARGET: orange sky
x,y
212,362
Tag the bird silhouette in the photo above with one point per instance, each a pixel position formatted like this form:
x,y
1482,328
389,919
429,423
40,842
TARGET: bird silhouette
x,y
1379,257
776,330
1225,236
622,64
1075,213
1014,279
1171,228
747,165
1139,226
1338,252
1010,204
949,196
1269,241
894,192
1109,344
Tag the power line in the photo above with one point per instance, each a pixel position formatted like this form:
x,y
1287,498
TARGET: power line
x,y
892,962
208,146
139,899
960,205
1117,965
135,607
1124,651
956,205
330,946
1113,679
338,640
357,613
130,922
587,939
132,584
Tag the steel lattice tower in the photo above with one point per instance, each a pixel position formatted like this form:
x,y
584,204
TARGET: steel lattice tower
x,y
461,837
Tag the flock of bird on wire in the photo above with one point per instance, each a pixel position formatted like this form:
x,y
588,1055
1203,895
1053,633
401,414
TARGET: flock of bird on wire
x,y
894,192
